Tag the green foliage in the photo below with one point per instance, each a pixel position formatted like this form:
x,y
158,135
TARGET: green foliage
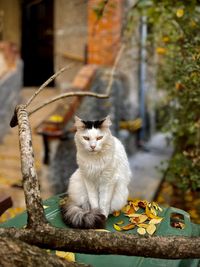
x,y
176,28
174,32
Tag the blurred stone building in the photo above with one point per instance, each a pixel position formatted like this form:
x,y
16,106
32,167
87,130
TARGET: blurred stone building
x,y
50,34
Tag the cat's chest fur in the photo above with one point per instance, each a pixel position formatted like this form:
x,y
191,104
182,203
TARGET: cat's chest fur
x,y
96,167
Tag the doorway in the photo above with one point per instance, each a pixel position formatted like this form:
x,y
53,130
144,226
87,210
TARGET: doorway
x,y
37,41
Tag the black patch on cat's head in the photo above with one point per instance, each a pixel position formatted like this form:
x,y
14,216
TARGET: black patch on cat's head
x,y
91,124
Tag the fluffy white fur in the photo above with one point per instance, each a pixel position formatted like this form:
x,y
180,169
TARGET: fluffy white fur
x,y
101,181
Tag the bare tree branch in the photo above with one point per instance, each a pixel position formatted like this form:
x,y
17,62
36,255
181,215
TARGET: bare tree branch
x,y
93,242
119,54
33,199
46,83
19,254
14,121
70,94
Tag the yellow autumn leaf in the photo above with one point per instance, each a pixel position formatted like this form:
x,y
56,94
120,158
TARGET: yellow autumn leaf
x,y
151,229
116,213
143,225
134,215
128,227
120,222
153,211
131,210
142,218
155,205
123,209
117,227
66,255
150,214
160,209
141,231
136,208
179,12
155,221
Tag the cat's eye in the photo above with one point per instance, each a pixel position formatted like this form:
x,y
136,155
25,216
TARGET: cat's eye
x,y
99,138
86,138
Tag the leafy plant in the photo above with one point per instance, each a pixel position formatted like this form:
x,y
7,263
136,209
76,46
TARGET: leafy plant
x,y
176,34
174,28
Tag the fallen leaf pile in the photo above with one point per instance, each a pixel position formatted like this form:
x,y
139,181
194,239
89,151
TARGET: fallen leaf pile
x,y
145,222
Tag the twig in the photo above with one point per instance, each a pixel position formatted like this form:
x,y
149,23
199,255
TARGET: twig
x,y
46,83
70,94
14,122
109,87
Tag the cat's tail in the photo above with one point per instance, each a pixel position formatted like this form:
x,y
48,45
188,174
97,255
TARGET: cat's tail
x,y
76,217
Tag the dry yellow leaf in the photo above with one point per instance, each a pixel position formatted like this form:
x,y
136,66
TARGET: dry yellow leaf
x,y
66,255
116,213
156,206
142,218
153,211
128,227
131,210
134,215
123,209
136,208
151,229
159,208
150,214
135,220
143,225
117,227
141,231
155,221
139,219
120,222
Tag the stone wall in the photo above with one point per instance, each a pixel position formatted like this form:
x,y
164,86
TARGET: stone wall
x,y
104,33
10,18
70,35
10,86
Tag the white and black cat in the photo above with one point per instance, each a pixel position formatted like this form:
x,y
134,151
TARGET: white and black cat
x,y
100,185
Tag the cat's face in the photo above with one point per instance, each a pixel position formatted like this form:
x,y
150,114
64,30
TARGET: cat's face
x,y
92,135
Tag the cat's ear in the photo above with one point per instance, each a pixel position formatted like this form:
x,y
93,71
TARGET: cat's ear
x,y
106,123
79,125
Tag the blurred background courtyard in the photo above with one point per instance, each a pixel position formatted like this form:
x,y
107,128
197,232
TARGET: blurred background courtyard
x,y
148,51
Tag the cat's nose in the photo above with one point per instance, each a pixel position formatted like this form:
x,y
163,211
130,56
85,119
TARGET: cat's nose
x,y
92,146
